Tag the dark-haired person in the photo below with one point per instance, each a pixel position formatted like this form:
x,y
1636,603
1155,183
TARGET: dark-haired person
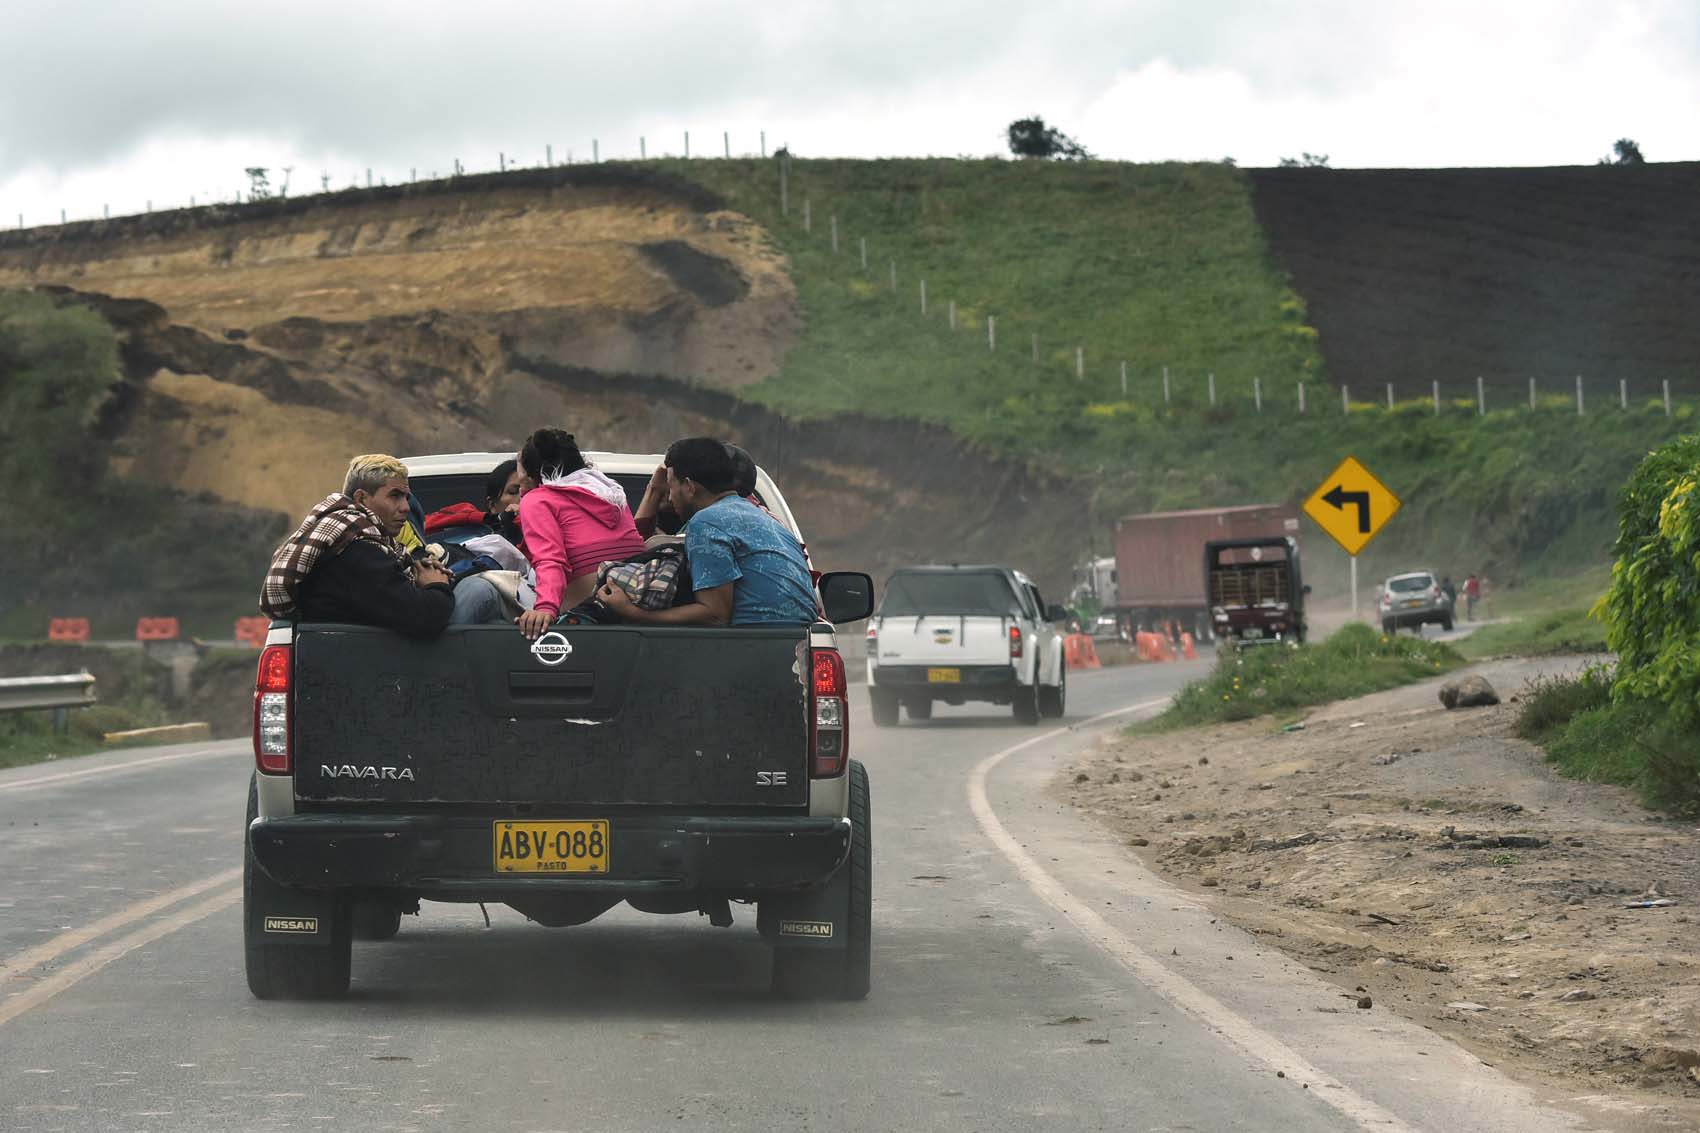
x,y
746,567
655,512
343,563
575,519
503,487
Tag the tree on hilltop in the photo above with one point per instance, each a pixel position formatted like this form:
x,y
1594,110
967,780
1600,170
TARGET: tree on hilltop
x,y
1306,161
1624,151
1031,138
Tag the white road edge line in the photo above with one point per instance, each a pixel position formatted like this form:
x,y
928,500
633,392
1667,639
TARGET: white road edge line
x,y
80,970
75,938
112,768
1173,987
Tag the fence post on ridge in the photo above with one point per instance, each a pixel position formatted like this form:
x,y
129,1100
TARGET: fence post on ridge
x,y
1165,385
991,332
1212,381
1531,395
1257,392
1667,397
1578,395
1124,378
1623,393
1481,398
1301,395
1390,395
1345,400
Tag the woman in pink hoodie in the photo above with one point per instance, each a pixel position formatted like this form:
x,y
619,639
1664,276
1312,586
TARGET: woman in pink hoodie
x,y
575,519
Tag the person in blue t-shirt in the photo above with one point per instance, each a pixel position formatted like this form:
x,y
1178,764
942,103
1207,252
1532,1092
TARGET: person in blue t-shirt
x,y
746,567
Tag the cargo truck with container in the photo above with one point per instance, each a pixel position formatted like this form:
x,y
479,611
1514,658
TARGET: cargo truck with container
x,y
1158,575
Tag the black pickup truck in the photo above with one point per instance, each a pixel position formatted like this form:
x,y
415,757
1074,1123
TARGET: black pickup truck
x,y
674,769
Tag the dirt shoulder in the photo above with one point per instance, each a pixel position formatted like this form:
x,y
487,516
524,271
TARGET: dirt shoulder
x,y
1433,861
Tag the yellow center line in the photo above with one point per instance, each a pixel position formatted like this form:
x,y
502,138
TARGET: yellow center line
x,y
221,748
81,969
76,938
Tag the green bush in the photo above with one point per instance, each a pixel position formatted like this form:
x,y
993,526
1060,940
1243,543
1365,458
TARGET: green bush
x,y
1550,703
1653,607
1268,679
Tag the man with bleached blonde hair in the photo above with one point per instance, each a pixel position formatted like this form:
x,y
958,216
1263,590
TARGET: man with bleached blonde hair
x,y
343,563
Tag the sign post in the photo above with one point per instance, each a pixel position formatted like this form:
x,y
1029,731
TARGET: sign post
x,y
1352,507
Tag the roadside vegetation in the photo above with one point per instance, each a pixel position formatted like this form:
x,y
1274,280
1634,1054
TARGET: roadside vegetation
x,y
95,544
1639,723
1271,680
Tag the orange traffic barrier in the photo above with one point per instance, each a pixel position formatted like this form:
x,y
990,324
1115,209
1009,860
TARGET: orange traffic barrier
x,y
68,629
1188,648
1149,646
252,631
1079,652
157,629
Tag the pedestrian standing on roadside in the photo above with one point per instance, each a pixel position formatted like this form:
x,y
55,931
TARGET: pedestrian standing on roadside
x,y
1472,591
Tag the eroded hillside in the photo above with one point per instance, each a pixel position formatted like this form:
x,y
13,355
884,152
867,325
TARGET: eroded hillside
x,y
263,345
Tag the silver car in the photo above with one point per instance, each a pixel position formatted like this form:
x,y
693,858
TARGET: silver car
x,y
1414,599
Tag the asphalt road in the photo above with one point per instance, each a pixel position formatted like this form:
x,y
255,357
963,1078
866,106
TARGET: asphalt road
x,y
999,917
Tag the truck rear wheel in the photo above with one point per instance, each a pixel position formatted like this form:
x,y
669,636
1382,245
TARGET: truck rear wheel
x,y
376,921
1026,706
285,963
821,974
1053,699
883,702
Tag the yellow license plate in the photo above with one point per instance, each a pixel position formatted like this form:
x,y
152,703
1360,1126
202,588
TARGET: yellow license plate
x,y
944,676
551,847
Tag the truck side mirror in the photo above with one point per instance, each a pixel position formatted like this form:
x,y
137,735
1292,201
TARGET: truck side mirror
x,y
846,596
1056,614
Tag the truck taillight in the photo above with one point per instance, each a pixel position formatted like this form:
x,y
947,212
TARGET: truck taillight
x,y
829,724
271,712
873,640
1015,643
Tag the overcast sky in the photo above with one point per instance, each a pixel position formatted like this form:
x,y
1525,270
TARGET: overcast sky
x,y
117,102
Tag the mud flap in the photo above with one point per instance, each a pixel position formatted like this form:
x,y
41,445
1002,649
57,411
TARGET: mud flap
x,y
817,920
280,917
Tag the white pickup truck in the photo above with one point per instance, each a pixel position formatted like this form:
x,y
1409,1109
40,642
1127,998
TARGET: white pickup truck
x,y
962,633
672,769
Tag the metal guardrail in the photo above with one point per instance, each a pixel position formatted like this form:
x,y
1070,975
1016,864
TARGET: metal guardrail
x,y
72,690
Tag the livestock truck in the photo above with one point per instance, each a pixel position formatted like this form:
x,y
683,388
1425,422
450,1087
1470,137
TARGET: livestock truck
x,y
1159,577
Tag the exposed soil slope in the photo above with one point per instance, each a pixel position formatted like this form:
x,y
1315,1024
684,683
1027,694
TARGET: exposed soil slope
x,y
1415,275
634,274
261,429
1435,863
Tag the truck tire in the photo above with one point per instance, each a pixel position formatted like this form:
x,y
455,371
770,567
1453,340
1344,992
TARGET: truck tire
x,y
883,702
919,709
1053,699
848,975
289,970
1026,706
376,921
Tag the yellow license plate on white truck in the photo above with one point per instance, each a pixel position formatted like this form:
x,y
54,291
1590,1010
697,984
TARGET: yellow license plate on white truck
x,y
944,676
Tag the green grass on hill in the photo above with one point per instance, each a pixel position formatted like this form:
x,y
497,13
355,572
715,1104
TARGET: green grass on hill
x,y
1266,680
1559,631
1157,265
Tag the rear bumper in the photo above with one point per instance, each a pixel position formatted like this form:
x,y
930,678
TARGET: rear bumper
x,y
1416,616
452,857
976,679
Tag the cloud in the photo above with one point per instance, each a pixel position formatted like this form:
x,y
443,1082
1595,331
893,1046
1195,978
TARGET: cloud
x,y
117,102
